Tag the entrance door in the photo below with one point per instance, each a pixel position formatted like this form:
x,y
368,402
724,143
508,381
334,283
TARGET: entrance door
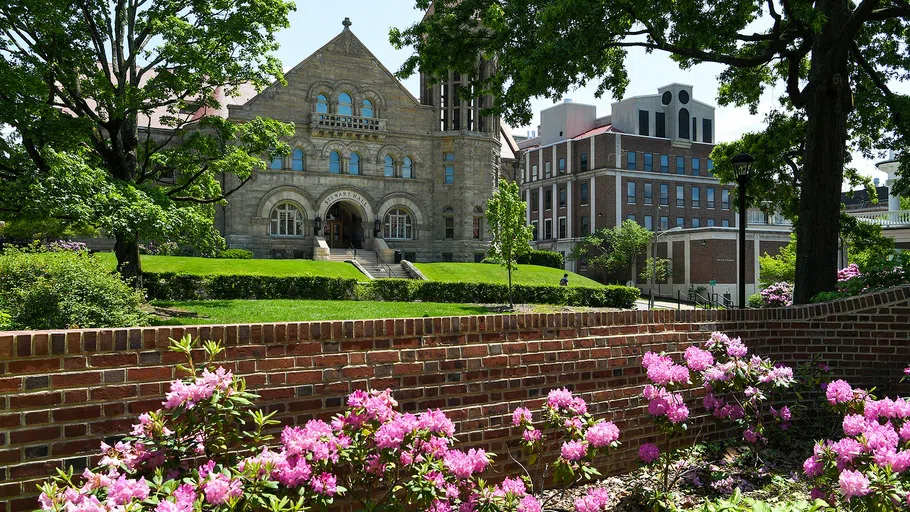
x,y
335,233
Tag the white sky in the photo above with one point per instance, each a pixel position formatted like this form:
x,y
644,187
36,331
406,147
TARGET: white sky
x,y
312,25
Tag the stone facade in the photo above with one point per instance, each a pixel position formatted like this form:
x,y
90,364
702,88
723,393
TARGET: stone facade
x,y
368,161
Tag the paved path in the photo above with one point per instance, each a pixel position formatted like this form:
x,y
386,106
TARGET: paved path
x,y
661,304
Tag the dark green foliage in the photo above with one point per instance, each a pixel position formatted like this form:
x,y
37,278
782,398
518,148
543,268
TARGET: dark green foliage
x,y
64,289
236,254
487,293
754,300
879,273
542,258
170,286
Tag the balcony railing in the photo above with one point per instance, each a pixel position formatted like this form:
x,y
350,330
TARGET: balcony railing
x,y
336,122
893,218
758,218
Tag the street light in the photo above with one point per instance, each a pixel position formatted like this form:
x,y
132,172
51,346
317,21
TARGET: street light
x,y
657,234
742,163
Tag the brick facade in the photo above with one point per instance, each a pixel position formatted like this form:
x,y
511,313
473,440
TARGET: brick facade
x,y
63,392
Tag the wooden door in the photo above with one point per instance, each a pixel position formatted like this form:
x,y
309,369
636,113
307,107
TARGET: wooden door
x,y
335,233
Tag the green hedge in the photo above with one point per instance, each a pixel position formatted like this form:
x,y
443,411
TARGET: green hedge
x,y
542,258
172,286
235,254
486,293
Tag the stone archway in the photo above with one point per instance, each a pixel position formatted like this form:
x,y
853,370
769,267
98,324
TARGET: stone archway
x,y
347,220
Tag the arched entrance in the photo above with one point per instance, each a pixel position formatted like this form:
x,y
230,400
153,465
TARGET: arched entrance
x,y
343,227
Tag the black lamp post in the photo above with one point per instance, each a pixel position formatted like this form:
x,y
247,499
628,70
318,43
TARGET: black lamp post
x,y
317,224
377,227
743,164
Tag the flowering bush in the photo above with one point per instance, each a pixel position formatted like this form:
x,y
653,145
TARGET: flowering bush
x,y
566,424
868,468
777,295
206,450
67,245
737,387
847,273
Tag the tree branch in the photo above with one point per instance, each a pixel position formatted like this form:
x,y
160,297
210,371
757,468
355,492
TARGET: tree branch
x,y
879,83
213,200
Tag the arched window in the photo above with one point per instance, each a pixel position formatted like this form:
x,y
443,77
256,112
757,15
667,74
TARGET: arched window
x,y
286,220
322,104
398,225
389,168
335,163
367,110
345,106
407,168
297,160
683,132
276,163
354,164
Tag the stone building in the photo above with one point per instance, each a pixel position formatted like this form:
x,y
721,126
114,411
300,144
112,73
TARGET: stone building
x,y
647,161
371,167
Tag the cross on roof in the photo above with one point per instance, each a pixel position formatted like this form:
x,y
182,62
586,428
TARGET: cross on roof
x,y
347,23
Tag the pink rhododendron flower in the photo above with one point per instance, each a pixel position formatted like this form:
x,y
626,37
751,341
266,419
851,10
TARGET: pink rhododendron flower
x,y
521,415
531,435
124,490
648,452
573,450
853,424
595,500
511,487
220,489
736,348
812,467
324,483
697,359
529,504
853,483
436,422
839,392
602,433
464,464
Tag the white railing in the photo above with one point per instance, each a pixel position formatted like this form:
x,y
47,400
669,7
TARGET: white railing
x,y
892,218
758,217
340,122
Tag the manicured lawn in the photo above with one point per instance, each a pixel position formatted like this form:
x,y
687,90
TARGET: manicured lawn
x,y
277,268
256,311
489,273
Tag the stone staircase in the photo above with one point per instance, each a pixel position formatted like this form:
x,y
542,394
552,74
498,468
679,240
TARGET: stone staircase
x,y
367,259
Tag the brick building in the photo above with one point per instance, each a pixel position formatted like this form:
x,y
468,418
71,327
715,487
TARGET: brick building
x,y
647,161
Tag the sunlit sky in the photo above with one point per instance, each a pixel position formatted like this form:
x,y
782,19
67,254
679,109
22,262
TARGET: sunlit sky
x,y
315,23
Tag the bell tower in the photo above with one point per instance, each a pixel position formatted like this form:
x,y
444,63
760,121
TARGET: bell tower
x,y
453,112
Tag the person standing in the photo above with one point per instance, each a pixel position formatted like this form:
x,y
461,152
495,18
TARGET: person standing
x,y
565,280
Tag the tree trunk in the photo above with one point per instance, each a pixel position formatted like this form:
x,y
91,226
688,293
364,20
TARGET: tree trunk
x,y
511,302
126,249
823,174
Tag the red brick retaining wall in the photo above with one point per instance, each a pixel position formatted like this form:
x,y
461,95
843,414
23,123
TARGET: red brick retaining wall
x,y
62,392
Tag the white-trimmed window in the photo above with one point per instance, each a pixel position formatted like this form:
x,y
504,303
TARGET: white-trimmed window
x,y
286,220
322,104
335,162
367,110
398,225
407,168
354,164
388,169
345,105
297,160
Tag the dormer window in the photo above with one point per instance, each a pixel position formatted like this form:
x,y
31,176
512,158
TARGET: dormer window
x,y
367,110
322,104
345,105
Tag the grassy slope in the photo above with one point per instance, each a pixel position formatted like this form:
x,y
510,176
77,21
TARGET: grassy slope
x,y
489,273
278,268
256,311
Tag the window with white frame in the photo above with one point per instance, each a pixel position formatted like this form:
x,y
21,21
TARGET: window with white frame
x,y
286,220
546,170
398,225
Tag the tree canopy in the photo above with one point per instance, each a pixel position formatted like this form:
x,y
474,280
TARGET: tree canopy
x,y
833,59
613,249
112,107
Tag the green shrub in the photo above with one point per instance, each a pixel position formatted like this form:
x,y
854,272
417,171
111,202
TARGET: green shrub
x,y
405,290
543,258
171,286
58,290
491,261
829,296
236,254
754,301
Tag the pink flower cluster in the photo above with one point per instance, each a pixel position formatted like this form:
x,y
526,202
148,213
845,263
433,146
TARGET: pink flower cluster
x,y
849,272
648,452
663,403
663,371
188,395
563,401
777,295
876,432
595,500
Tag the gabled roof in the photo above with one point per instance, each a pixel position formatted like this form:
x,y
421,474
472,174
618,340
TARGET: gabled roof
x,y
346,39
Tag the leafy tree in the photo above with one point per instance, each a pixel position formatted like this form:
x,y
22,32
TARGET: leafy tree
x,y
658,268
509,236
83,84
834,59
778,268
612,249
